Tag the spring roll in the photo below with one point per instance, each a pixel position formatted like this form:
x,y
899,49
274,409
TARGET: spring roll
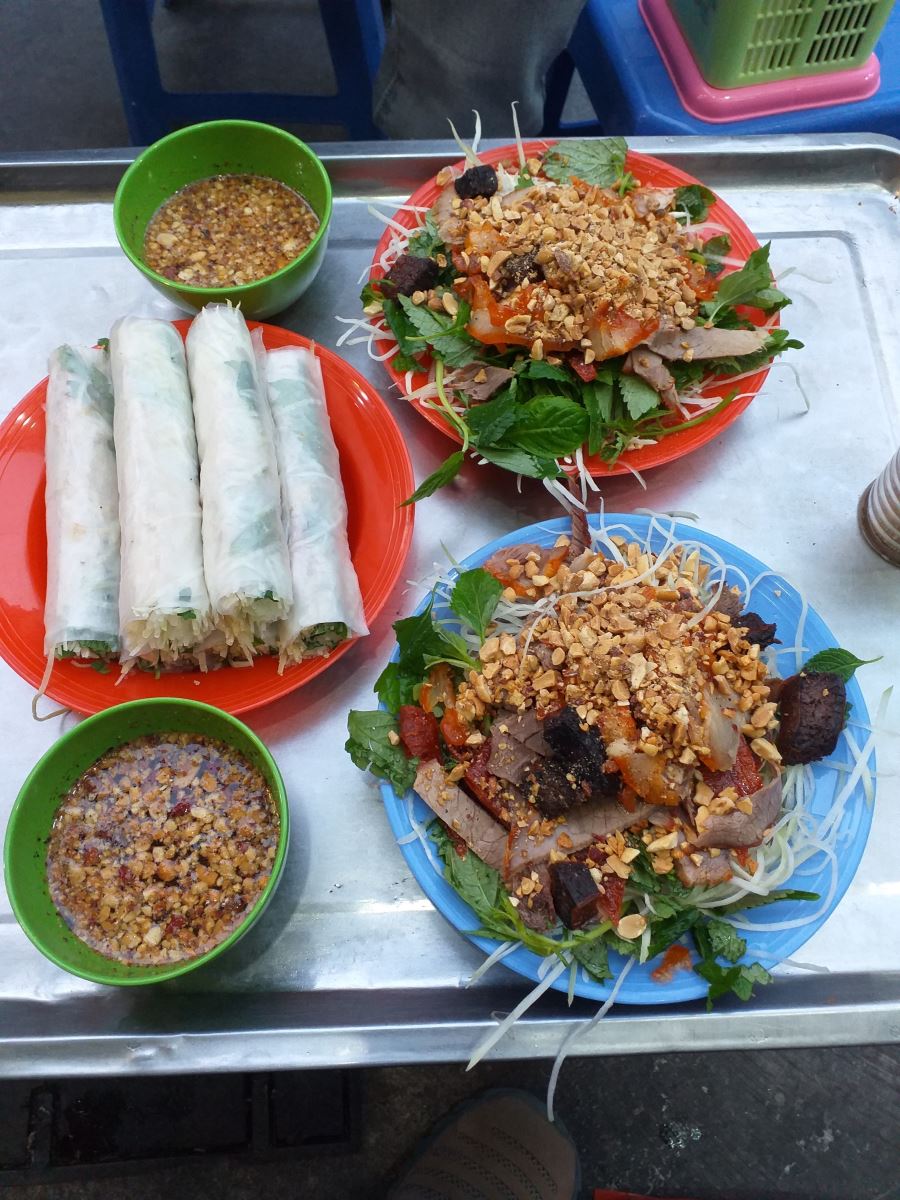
x,y
244,545
81,609
327,605
164,610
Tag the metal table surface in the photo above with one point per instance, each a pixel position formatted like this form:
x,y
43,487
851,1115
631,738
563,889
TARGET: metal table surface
x,y
351,964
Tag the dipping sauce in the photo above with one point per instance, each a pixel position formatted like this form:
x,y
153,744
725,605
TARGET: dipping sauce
x,y
161,848
228,230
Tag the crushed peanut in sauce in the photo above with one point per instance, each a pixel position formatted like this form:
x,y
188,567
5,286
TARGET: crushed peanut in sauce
x,y
228,230
162,848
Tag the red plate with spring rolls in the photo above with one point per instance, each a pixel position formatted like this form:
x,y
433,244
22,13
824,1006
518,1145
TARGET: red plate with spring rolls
x,y
376,475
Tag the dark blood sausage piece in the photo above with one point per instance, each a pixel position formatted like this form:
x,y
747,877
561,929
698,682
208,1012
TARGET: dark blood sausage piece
x,y
576,897
477,181
520,268
581,751
418,732
409,274
556,792
812,716
758,630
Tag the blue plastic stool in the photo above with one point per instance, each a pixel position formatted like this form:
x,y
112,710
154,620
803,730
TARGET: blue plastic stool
x,y
632,94
355,33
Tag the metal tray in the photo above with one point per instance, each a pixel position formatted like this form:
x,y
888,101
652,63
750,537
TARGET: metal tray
x,y
351,964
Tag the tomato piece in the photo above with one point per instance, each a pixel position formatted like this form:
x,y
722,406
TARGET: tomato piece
x,y
438,689
744,776
418,732
453,729
586,371
611,900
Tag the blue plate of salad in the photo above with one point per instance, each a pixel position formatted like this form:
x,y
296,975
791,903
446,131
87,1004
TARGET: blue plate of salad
x,y
627,744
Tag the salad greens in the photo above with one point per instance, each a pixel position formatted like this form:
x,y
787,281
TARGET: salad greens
x,y
668,905
837,662
545,411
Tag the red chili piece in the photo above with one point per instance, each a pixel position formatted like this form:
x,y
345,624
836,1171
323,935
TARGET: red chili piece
x,y
418,732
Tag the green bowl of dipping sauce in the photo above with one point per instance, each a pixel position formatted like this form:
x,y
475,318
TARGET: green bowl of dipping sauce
x,y
224,148
51,781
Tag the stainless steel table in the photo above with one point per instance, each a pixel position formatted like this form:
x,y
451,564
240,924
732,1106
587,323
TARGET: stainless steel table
x,y
351,964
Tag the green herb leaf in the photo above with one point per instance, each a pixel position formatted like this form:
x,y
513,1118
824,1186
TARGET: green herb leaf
x,y
738,979
370,295
103,343
446,335
453,650
371,749
594,957
722,940
836,662
474,598
751,285
394,688
446,473
545,370
696,200
403,331
100,666
521,462
550,426
490,422
638,397
426,241
751,901
598,161
598,403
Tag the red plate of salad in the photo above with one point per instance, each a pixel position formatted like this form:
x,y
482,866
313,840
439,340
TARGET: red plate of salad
x,y
571,308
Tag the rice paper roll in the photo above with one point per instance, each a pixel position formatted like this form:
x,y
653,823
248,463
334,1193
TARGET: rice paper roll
x,y
81,615
164,608
327,605
244,545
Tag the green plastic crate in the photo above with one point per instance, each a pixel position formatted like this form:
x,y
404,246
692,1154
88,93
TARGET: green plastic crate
x,y
739,42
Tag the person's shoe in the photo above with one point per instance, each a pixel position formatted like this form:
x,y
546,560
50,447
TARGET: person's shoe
x,y
498,1147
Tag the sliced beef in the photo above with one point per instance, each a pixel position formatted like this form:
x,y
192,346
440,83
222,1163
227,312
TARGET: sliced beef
x,y
576,897
714,729
585,824
708,872
761,633
730,603
462,814
518,269
409,274
477,381
477,181
735,829
517,739
811,708
649,366
707,343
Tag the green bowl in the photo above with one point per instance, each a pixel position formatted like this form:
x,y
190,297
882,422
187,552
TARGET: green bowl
x,y
32,816
224,148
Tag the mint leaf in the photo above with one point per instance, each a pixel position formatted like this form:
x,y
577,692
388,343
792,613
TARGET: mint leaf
x,y
836,662
393,688
402,331
751,901
549,426
751,285
598,402
724,941
474,598
426,241
594,957
545,370
696,200
446,335
638,397
521,462
489,422
738,979
599,161
446,473
370,748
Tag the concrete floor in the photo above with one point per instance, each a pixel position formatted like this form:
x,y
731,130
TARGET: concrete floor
x,y
799,1125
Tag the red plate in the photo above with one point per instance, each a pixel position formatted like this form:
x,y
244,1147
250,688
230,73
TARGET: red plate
x,y
654,173
377,476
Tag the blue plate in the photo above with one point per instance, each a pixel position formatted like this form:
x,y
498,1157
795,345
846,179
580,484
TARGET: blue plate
x,y
775,600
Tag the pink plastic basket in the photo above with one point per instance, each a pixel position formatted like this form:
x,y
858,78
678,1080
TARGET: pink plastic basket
x,y
719,105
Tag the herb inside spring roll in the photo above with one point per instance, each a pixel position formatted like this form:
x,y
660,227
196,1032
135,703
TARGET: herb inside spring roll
x,y
244,546
327,605
164,605
81,617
